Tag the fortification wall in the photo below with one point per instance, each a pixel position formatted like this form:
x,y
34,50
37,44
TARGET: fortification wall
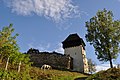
x,y
55,60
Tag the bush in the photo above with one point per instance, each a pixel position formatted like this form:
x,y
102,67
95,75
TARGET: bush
x,y
13,75
110,74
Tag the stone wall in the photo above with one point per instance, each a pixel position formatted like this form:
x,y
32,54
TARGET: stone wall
x,y
55,60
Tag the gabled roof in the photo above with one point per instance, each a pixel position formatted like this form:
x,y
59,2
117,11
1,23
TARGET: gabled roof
x,y
73,40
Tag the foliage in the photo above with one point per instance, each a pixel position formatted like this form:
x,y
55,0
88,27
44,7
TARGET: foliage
x,y
13,75
19,65
38,74
104,34
110,74
91,66
8,44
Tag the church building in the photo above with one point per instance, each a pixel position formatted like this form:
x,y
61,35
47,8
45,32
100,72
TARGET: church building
x,y
74,46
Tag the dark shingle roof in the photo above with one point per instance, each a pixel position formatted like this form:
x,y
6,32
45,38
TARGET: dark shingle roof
x,y
73,40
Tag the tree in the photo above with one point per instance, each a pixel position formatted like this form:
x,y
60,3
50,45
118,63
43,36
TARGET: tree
x,y
91,66
10,54
104,34
7,41
23,59
8,45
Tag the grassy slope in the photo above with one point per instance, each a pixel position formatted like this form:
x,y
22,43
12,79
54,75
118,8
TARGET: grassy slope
x,y
110,74
37,73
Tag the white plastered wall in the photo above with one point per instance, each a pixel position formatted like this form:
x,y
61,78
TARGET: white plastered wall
x,y
76,54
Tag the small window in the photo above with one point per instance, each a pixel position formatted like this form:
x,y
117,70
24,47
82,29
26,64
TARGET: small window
x,y
75,53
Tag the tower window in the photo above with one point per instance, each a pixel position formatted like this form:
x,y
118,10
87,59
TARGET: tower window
x,y
75,53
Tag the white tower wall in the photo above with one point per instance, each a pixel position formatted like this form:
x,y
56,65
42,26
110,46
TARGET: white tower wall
x,y
75,47
76,54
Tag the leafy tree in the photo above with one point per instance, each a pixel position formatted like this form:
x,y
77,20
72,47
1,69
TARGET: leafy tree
x,y
9,47
7,41
103,32
91,66
24,60
8,44
9,52
18,59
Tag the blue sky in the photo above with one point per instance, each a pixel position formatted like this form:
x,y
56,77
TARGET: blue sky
x,y
44,24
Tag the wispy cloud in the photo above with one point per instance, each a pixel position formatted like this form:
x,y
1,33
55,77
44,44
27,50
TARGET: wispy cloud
x,y
57,10
64,25
46,47
40,47
60,49
103,67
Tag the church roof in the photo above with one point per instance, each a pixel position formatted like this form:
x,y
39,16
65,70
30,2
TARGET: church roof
x,y
73,40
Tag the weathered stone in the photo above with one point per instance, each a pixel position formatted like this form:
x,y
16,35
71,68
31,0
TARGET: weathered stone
x,y
55,60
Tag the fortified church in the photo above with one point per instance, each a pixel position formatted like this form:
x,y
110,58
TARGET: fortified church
x,y
74,57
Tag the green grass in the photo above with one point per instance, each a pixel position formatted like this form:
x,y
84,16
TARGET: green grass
x,y
39,74
110,74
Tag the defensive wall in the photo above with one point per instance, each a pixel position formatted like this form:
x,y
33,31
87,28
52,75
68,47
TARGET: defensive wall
x,y
54,59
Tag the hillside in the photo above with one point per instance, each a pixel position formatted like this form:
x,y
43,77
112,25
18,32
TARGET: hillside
x,y
110,74
38,74
35,73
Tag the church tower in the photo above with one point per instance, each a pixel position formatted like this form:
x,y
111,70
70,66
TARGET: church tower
x,y
75,47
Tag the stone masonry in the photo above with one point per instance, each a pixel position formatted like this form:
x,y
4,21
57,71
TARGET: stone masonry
x,y
54,59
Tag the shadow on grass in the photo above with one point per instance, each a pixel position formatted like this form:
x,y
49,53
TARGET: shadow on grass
x,y
81,78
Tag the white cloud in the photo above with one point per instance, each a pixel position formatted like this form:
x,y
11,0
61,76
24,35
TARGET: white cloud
x,y
40,47
84,13
57,10
103,67
64,25
60,49
45,47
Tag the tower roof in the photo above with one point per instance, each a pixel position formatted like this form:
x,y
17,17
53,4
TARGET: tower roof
x,y
73,40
